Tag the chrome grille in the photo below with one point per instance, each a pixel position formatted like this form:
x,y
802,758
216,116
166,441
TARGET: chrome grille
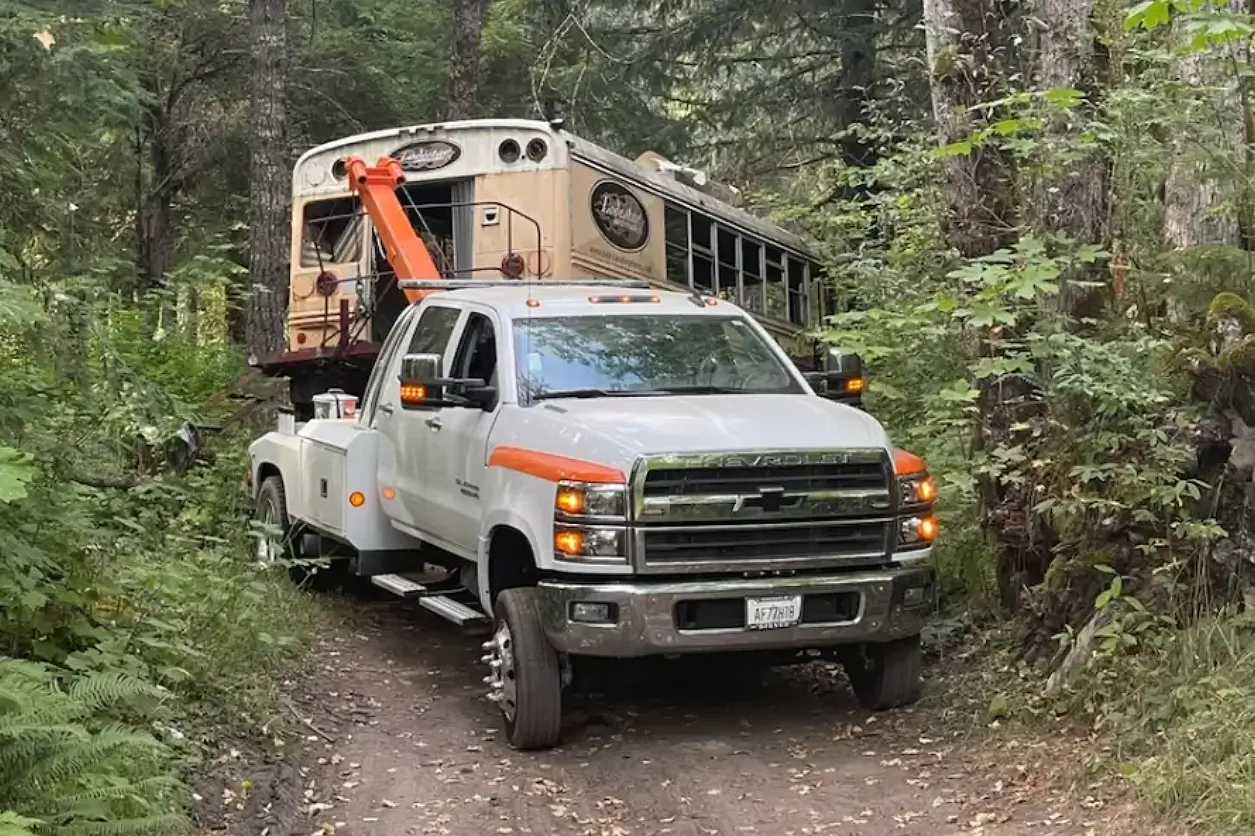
x,y
737,511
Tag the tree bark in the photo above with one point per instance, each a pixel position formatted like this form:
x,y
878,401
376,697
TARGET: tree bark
x,y
1070,195
270,181
1202,195
468,28
965,43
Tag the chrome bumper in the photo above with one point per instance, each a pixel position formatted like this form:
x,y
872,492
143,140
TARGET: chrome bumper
x,y
646,619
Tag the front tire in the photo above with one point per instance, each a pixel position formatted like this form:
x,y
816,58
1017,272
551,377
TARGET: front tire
x,y
887,675
526,677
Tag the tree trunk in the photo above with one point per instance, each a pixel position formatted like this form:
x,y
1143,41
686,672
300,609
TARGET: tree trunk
x,y
965,41
967,46
270,184
468,28
1070,196
1203,200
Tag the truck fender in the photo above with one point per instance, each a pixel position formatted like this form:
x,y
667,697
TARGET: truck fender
x,y
500,518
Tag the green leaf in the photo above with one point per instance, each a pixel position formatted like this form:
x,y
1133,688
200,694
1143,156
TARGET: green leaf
x,y
15,473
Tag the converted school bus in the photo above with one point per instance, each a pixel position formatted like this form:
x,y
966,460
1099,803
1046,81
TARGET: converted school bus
x,y
520,199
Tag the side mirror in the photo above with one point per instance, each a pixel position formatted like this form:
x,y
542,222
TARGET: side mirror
x,y
845,363
421,380
842,377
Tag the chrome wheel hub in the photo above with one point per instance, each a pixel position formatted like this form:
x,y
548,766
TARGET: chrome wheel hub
x,y
501,681
269,547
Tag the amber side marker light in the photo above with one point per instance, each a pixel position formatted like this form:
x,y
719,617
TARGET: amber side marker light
x,y
928,529
926,491
569,542
855,384
413,393
389,493
357,499
569,501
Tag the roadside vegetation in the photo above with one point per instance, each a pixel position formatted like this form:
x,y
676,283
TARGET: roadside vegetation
x,y
1043,225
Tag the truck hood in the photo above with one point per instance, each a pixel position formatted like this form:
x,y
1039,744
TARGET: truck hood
x,y
711,423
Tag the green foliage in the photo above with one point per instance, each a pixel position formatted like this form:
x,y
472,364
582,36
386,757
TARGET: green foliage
x,y
65,770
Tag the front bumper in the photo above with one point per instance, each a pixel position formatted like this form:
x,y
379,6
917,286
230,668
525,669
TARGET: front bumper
x,y
709,616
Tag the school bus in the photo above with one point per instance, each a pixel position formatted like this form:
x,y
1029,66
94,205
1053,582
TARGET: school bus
x,y
527,200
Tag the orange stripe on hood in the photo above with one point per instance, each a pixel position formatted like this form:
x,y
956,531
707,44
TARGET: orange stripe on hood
x,y
553,467
905,463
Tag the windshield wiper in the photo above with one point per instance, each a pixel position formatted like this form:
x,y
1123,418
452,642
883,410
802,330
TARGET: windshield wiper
x,y
699,390
588,393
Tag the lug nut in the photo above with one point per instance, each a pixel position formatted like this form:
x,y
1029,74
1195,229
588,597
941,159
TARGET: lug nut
x,y
487,658
488,645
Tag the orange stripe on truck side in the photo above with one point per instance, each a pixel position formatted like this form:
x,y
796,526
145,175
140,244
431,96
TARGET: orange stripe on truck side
x,y
553,467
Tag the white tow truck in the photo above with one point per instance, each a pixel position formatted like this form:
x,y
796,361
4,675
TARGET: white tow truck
x,y
598,468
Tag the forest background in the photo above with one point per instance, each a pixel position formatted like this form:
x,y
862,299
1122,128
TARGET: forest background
x,y
1042,212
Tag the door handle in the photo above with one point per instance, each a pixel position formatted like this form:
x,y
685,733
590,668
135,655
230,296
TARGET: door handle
x,y
434,423
386,408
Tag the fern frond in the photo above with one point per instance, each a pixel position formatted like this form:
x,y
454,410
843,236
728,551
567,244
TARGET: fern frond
x,y
103,690
88,755
145,788
147,826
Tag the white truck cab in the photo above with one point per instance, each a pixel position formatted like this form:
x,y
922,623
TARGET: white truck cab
x,y
599,468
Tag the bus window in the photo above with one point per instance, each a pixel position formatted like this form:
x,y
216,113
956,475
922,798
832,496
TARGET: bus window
x,y
331,232
677,235
727,253
777,300
825,294
752,276
796,276
703,258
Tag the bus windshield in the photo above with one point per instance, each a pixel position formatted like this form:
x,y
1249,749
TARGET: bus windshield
x,y
645,354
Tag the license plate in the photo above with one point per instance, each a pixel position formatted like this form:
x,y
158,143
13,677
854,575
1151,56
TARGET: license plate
x,y
773,613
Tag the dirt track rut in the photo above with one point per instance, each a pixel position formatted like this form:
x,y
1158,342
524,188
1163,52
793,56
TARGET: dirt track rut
x,y
405,744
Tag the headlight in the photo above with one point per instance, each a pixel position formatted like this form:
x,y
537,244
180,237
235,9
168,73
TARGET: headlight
x,y
916,532
916,489
589,543
585,500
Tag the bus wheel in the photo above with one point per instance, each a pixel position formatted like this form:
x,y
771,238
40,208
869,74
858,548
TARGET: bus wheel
x,y
525,677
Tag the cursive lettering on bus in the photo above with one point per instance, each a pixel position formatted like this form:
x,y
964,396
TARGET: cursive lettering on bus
x,y
619,215
429,155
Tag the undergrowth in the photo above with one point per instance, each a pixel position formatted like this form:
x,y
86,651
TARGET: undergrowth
x,y
136,634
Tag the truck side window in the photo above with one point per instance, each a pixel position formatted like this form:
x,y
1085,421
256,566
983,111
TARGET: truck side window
x,y
476,356
434,330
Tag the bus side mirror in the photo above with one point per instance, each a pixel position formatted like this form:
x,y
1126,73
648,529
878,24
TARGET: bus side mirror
x,y
421,380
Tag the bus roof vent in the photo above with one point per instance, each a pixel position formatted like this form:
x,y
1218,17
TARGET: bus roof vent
x,y
689,176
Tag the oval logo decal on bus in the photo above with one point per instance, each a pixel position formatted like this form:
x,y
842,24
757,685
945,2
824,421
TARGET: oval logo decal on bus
x,y
619,215
427,155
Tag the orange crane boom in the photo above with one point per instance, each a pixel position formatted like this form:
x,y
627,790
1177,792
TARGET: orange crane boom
x,y
376,186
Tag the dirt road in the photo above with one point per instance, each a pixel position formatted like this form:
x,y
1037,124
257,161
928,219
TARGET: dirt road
x,y
402,742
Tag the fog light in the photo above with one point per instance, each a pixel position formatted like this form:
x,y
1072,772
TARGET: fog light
x,y
915,596
589,612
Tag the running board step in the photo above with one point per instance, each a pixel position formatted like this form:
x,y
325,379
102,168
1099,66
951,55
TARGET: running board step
x,y
398,585
454,611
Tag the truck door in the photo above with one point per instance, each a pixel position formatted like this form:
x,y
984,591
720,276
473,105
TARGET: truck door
x,y
405,446
459,475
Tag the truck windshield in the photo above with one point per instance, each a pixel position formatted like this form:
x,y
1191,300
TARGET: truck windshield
x,y
644,354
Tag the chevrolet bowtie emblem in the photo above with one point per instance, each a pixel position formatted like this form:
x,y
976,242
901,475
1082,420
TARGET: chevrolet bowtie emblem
x,y
769,500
